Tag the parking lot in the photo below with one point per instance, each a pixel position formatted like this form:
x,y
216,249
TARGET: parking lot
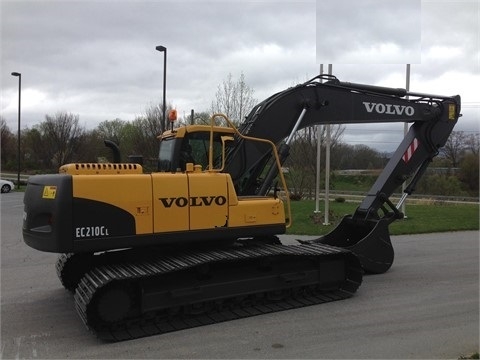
x,y
425,306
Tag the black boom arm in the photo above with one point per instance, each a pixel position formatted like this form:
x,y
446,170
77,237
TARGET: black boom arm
x,y
433,118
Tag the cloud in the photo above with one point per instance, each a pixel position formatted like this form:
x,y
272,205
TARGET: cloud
x,y
106,50
98,59
368,31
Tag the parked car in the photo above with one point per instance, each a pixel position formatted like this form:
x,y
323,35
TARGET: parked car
x,y
6,186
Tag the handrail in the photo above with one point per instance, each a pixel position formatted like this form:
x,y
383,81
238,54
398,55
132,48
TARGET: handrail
x,y
266,141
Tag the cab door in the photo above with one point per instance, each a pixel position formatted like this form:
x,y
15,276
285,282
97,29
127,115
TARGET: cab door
x,y
208,200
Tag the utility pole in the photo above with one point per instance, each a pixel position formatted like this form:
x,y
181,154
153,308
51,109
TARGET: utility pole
x,y
319,155
327,166
18,133
164,50
405,130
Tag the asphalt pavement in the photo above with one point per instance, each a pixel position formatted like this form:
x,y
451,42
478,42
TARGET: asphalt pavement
x,y
425,307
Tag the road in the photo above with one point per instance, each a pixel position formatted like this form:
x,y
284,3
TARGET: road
x,y
425,306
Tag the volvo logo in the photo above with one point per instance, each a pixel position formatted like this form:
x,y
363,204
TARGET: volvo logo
x,y
193,201
389,109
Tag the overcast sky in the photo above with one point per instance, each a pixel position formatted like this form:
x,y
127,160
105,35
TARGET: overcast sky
x,y
97,58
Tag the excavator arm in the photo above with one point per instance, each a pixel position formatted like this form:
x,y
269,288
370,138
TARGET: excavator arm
x,y
433,118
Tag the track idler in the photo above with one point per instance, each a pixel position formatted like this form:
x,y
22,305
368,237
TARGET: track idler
x,y
368,239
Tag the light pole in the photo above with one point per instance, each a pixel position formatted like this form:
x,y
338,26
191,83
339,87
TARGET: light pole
x,y
18,141
164,50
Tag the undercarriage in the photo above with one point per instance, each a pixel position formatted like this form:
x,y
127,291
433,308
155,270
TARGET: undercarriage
x,y
130,294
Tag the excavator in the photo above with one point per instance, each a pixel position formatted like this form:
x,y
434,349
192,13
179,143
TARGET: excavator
x,y
196,242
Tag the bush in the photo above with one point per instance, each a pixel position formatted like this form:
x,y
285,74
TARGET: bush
x,y
295,196
469,173
440,184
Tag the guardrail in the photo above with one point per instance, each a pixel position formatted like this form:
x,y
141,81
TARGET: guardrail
x,y
359,195
14,177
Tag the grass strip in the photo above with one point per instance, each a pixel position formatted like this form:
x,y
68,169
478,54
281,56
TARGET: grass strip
x,y
422,218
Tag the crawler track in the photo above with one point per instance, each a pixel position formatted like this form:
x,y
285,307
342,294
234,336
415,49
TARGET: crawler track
x,y
145,297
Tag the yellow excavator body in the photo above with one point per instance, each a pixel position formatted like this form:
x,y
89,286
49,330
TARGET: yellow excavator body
x,y
174,202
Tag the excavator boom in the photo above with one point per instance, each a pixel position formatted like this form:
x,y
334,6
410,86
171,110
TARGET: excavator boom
x,y
433,118
333,102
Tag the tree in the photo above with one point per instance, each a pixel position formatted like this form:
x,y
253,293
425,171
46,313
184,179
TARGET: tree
x,y
234,99
62,137
93,148
357,157
152,125
303,155
143,140
8,142
156,124
454,147
472,143
112,130
468,173
142,133
34,152
202,118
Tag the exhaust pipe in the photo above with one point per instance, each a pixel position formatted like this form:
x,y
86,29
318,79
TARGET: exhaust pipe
x,y
115,150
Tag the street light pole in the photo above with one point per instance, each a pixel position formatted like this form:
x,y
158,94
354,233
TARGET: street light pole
x,y
164,50
19,107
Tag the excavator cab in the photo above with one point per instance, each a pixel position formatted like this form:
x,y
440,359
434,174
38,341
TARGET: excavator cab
x,y
191,144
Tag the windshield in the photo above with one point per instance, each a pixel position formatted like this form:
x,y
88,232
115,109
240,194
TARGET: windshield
x,y
165,156
175,153
199,143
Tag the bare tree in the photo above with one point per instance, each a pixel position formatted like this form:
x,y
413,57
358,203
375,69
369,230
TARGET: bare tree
x,y
156,124
147,128
234,99
454,147
304,147
303,154
202,118
472,143
61,136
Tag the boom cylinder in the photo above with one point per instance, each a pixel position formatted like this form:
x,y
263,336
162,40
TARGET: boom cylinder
x,y
283,152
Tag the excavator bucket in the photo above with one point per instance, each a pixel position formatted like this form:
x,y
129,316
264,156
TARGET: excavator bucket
x,y
368,239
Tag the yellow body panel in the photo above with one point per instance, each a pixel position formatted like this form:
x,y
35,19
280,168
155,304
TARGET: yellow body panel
x,y
170,199
132,193
170,202
256,211
208,200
